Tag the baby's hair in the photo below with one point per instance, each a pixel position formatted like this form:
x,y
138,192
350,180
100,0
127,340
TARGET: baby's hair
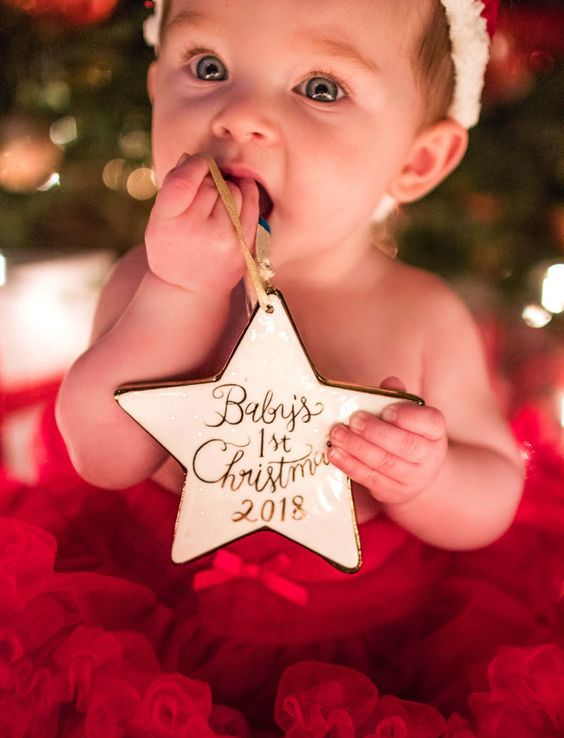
x,y
166,11
434,65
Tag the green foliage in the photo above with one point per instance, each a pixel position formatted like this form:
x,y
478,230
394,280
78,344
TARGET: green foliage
x,y
497,215
97,75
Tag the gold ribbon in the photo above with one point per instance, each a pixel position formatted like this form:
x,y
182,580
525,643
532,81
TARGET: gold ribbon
x,y
260,272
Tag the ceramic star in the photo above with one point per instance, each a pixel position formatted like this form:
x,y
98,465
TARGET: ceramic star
x,y
253,442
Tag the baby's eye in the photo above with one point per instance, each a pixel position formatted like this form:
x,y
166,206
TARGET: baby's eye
x,y
209,68
321,89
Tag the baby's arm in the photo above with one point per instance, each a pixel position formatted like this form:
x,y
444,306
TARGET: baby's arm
x,y
160,316
453,476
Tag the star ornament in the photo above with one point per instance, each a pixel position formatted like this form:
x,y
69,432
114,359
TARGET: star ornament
x,y
253,442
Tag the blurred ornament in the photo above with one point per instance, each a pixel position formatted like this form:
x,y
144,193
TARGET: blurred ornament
x,y
68,11
529,40
537,29
508,77
28,157
484,207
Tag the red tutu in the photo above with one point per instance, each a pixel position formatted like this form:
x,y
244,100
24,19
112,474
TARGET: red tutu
x,y
101,635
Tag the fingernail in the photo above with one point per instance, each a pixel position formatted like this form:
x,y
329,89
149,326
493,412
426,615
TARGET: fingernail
x,y
183,159
358,421
390,413
338,433
334,453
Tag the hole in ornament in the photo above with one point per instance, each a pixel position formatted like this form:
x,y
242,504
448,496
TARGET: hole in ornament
x,y
269,308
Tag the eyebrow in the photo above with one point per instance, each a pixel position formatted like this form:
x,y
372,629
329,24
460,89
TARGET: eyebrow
x,y
342,50
326,45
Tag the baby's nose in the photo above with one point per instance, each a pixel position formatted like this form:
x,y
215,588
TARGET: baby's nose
x,y
246,118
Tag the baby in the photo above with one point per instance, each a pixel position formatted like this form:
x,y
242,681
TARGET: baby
x,y
316,112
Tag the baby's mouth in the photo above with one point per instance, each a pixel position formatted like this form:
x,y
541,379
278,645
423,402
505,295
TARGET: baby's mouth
x,y
265,201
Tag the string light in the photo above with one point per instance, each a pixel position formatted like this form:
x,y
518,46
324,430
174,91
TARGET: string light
x,y
64,130
114,174
553,289
53,180
141,183
535,316
3,269
135,144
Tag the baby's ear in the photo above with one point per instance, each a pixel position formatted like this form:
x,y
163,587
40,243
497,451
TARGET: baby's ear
x,y
435,152
151,81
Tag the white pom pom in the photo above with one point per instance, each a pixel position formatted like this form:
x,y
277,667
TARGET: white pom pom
x,y
152,26
470,52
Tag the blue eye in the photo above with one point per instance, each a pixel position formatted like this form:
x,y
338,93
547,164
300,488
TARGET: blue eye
x,y
210,69
321,89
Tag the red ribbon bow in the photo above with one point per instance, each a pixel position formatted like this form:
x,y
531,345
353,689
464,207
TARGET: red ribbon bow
x,y
227,566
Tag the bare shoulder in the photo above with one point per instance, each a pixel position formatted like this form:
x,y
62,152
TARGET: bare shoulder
x,y
426,288
447,334
117,292
428,300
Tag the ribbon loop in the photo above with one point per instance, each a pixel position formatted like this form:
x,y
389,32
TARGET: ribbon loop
x,y
227,566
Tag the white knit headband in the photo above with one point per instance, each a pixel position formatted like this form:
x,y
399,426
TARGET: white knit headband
x,y
470,52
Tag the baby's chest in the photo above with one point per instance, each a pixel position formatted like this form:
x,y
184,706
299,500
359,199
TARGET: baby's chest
x,y
366,350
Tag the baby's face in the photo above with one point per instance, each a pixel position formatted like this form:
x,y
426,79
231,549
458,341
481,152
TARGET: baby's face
x,y
316,99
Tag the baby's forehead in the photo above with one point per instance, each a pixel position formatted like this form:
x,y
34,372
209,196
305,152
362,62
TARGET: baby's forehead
x,y
305,20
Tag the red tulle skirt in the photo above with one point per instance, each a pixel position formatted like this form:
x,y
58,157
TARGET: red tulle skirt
x,y
102,636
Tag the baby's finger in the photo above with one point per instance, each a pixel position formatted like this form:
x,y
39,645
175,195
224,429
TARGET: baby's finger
x,y
382,487
206,198
424,421
220,210
393,383
372,456
390,438
180,186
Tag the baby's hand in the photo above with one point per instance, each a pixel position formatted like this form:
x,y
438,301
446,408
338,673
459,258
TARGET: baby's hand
x,y
190,239
396,456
